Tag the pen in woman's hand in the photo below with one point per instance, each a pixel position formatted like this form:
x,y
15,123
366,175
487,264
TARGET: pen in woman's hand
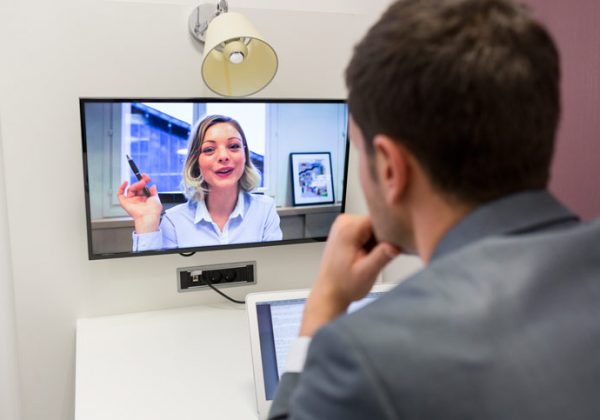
x,y
136,171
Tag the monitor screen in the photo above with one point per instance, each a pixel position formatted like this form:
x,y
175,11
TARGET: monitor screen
x,y
187,175
278,327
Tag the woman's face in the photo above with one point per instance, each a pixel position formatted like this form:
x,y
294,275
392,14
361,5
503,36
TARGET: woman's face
x,y
222,156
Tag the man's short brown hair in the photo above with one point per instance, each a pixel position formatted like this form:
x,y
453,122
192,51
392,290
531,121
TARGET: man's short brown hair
x,y
470,87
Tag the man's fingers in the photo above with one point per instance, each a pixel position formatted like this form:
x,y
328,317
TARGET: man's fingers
x,y
365,229
373,262
153,190
353,228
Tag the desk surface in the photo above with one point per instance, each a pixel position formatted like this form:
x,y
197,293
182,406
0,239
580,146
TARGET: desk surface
x,y
190,363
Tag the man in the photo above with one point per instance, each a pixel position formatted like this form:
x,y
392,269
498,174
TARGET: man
x,y
454,107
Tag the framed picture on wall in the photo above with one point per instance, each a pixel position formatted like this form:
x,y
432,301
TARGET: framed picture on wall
x,y
312,179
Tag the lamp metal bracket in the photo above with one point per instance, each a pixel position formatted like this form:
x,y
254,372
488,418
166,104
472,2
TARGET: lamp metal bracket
x,y
201,17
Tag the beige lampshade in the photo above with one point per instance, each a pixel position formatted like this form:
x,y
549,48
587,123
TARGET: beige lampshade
x,y
230,37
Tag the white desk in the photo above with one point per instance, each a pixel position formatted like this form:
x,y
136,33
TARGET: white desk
x,y
191,363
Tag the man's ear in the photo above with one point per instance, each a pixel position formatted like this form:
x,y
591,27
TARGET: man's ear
x,y
392,166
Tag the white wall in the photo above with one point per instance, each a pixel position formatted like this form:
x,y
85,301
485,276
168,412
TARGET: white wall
x,y
9,380
53,53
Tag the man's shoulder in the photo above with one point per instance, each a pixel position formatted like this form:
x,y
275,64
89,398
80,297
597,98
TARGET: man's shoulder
x,y
467,302
492,269
485,314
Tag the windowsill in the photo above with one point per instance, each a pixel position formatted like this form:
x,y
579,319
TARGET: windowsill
x,y
126,222
294,211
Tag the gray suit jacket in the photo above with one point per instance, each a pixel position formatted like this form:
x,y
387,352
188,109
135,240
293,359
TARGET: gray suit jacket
x,y
503,324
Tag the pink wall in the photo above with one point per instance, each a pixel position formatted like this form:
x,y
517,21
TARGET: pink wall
x,y
575,25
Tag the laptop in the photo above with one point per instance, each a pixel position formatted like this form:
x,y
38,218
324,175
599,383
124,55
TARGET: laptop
x,y
274,325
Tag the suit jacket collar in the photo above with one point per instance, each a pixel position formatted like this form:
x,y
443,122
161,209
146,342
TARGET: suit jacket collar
x,y
520,212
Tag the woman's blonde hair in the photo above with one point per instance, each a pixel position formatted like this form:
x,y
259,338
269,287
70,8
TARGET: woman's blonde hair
x,y
195,187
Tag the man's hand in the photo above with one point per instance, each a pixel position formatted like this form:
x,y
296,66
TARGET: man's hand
x,y
348,271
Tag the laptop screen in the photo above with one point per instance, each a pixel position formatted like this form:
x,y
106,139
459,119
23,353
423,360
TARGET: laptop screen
x,y
278,327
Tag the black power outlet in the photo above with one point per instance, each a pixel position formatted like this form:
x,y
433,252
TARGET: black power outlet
x,y
234,274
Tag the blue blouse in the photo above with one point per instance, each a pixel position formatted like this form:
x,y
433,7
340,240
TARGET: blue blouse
x,y
254,219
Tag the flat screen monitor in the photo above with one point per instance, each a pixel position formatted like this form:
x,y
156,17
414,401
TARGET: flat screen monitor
x,y
215,173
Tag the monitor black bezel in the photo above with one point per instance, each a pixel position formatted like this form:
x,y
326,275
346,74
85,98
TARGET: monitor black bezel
x,y
188,250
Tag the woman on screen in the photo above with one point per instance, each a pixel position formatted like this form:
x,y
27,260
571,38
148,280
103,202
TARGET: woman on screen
x,y
218,177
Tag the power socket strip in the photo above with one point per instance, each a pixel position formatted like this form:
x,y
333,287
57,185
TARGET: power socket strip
x,y
219,275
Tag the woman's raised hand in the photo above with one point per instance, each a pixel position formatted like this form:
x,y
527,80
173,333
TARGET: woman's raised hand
x,y
144,210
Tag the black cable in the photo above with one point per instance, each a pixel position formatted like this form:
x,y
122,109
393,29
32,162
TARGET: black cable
x,y
187,254
209,284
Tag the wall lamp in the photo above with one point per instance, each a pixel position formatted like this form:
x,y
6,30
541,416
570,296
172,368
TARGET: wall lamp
x,y
236,60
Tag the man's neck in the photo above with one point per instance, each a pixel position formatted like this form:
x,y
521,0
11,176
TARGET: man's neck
x,y
432,220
